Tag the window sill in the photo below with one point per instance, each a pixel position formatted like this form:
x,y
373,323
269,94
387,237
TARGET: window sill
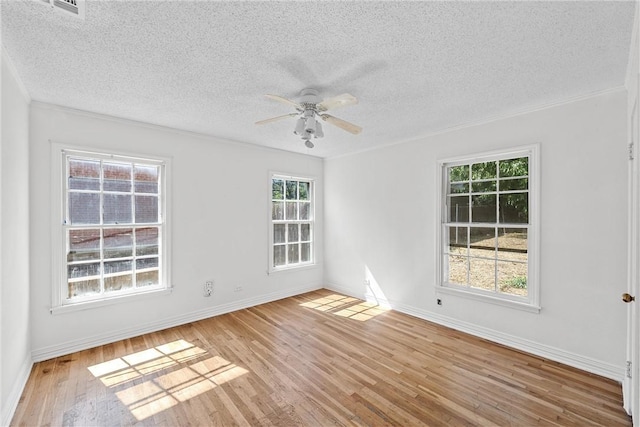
x,y
86,305
292,268
488,298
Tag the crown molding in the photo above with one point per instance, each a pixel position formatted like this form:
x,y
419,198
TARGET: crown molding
x,y
203,137
490,119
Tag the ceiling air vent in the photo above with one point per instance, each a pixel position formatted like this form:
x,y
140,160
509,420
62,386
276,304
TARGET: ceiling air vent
x,y
72,7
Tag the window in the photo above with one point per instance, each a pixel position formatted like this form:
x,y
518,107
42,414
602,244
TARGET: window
x,y
488,226
291,222
113,227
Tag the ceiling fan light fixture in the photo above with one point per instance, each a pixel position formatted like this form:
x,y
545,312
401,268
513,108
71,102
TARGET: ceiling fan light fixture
x,y
319,133
310,126
300,125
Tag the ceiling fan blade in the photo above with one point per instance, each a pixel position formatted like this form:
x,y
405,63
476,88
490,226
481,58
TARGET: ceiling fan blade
x,y
349,127
284,101
337,101
275,119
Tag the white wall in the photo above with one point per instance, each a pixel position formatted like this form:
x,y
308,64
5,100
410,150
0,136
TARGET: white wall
x,y
15,343
380,211
220,208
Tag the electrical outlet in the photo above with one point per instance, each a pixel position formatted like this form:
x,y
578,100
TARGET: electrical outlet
x,y
208,288
237,289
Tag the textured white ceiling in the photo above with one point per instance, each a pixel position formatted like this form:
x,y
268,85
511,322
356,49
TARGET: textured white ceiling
x,y
416,67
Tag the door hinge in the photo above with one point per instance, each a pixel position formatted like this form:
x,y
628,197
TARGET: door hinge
x,y
631,151
628,369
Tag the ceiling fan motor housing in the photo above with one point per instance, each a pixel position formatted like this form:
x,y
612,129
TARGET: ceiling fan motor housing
x,y
309,98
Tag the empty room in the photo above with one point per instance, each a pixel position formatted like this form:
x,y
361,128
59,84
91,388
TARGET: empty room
x,y
352,213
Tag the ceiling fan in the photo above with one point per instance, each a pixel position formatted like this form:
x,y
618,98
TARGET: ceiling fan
x,y
310,107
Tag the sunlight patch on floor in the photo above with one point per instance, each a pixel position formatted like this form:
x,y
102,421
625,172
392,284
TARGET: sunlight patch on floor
x,y
136,365
363,311
189,376
345,306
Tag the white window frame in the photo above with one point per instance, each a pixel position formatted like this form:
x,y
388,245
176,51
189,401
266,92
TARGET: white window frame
x,y
59,200
532,301
312,188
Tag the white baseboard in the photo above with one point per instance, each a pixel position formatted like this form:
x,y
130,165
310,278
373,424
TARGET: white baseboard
x,y
584,363
68,347
10,405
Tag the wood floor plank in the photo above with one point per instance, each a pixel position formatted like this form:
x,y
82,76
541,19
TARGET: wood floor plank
x,y
315,359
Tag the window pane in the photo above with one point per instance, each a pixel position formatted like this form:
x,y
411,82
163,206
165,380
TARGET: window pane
x,y
459,187
483,208
147,241
292,210
483,186
117,209
514,167
483,242
303,187
277,210
117,266
482,273
512,244
279,255
146,179
458,240
292,235
305,232
84,288
118,243
279,231
486,226
459,209
486,170
459,173
457,270
83,270
291,205
514,208
293,253
512,278
84,245
143,263
292,190
84,208
84,175
514,184
101,260
305,252
117,177
147,278
146,209
277,189
118,283
305,209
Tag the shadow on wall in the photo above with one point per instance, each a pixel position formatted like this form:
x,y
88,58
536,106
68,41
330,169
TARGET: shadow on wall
x,y
373,293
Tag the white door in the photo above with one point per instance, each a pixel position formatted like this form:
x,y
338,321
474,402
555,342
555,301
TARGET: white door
x,y
630,384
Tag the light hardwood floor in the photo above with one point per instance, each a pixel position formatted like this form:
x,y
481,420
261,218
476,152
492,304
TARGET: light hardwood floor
x,y
316,359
